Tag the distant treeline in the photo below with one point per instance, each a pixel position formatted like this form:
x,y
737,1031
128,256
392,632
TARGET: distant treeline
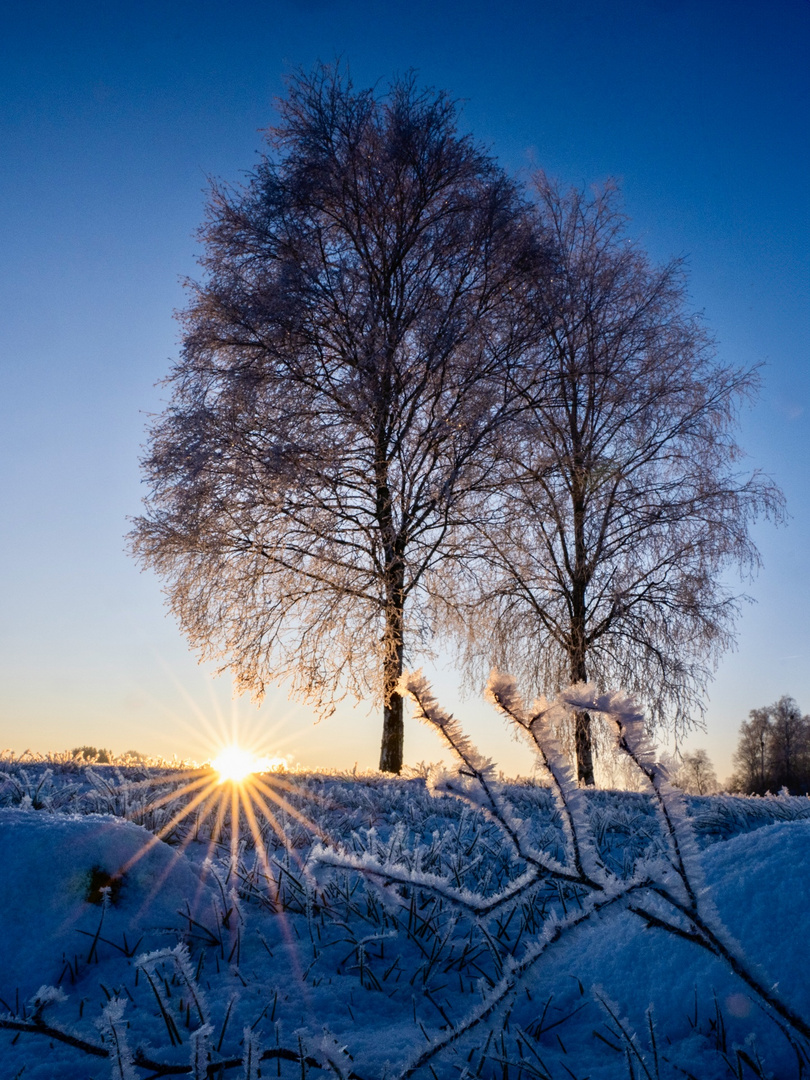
x,y
773,751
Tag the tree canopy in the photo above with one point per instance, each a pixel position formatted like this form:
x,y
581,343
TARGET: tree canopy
x,y
342,381
408,388
621,502
773,750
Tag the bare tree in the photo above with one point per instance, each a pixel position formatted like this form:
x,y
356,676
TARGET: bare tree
x,y
607,561
751,758
773,750
342,380
789,747
696,775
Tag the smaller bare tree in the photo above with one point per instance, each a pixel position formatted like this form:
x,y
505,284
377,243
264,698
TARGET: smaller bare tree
x,y
773,750
751,756
607,558
789,746
696,775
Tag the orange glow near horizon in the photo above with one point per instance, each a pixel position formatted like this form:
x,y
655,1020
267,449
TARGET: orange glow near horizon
x,y
235,764
239,794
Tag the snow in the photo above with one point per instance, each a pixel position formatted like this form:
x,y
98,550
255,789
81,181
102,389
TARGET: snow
x,y
758,884
761,892
199,959
47,866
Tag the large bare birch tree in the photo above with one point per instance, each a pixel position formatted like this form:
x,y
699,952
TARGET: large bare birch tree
x,y
624,502
343,377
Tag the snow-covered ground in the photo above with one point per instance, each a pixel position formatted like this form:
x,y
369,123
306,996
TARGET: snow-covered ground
x,y
216,953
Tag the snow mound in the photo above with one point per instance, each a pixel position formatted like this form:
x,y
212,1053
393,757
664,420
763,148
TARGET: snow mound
x,y
53,870
757,884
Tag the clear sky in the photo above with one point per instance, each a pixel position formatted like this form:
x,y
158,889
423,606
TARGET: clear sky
x,y
113,116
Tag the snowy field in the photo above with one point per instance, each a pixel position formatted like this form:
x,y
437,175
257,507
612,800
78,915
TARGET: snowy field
x,y
368,927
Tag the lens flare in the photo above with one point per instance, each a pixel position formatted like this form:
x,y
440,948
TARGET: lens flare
x,y
235,764
235,802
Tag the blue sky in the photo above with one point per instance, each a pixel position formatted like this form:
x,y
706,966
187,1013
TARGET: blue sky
x,y
112,120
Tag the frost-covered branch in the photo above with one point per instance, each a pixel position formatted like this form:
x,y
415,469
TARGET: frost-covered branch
x,y
553,931
395,874
140,1059
670,897
502,692
475,784
31,1027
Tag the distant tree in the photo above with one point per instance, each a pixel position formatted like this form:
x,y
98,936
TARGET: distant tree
x,y
92,753
608,561
789,747
341,385
773,750
752,757
696,775
134,757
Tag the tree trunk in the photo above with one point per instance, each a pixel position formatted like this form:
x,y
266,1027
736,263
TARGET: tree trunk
x,y
583,745
763,784
584,749
393,545
579,614
393,737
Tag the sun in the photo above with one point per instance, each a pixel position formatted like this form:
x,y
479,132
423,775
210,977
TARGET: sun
x,y
238,795
242,795
235,764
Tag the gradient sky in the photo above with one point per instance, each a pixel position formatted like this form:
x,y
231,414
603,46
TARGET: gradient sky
x,y
112,119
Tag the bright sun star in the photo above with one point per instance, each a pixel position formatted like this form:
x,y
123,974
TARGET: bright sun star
x,y
234,764
240,785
